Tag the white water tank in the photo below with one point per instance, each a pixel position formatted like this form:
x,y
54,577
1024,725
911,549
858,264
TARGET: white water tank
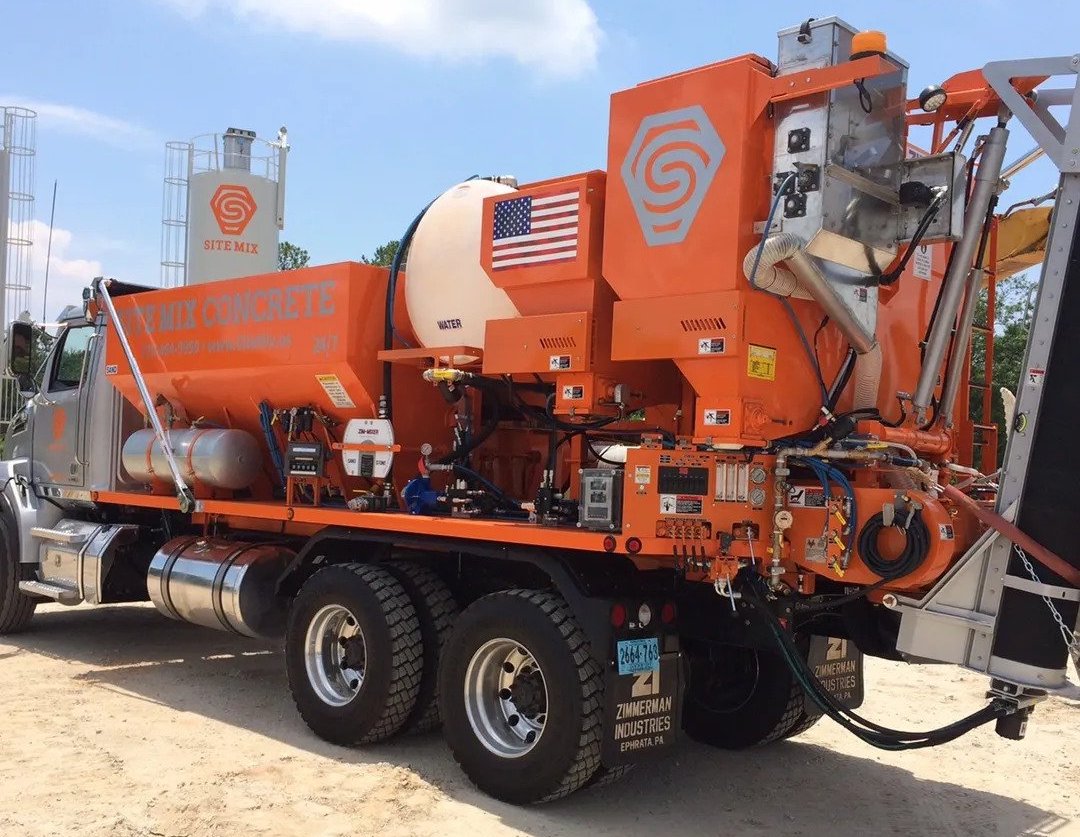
x,y
447,292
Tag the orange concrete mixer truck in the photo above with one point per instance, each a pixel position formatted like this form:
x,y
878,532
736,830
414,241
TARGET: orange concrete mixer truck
x,y
625,455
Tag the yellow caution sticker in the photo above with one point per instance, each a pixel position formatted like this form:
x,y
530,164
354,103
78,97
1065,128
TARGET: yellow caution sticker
x,y
761,362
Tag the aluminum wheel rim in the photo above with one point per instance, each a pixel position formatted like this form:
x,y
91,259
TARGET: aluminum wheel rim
x,y
506,697
335,655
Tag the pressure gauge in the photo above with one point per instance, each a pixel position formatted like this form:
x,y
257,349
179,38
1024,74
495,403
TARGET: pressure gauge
x,y
757,475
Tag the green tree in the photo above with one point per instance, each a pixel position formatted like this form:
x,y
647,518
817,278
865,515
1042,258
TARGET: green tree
x,y
1012,319
291,257
384,254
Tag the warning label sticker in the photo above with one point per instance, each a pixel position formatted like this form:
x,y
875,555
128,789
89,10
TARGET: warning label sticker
x,y
806,497
557,362
947,532
680,504
1035,376
573,393
816,550
643,474
922,262
710,346
335,391
718,418
761,362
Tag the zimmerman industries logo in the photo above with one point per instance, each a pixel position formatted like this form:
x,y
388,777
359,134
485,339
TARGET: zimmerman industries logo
x,y
233,207
668,169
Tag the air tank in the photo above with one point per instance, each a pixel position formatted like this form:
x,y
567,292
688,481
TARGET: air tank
x,y
447,292
211,456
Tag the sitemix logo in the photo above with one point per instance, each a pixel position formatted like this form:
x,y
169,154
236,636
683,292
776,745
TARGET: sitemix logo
x,y
668,169
233,208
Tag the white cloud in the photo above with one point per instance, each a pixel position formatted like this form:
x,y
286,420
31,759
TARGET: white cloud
x,y
81,122
556,37
69,270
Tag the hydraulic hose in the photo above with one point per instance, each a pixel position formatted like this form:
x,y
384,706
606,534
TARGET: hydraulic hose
x,y
874,734
911,557
391,294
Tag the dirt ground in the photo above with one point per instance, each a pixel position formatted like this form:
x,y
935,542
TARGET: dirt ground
x,y
117,721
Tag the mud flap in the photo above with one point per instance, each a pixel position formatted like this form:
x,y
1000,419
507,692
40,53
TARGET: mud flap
x,y
642,712
838,664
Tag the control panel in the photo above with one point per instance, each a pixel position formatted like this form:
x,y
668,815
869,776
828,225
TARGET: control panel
x,y
601,499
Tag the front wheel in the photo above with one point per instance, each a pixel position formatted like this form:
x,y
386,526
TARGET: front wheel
x,y
522,697
16,608
353,654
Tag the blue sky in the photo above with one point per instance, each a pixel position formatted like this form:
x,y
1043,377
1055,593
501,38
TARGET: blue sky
x,y
388,102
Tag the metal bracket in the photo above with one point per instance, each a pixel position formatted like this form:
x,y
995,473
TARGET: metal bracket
x,y
1061,143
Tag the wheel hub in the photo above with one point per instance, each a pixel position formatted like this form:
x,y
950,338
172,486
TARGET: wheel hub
x,y
506,697
335,655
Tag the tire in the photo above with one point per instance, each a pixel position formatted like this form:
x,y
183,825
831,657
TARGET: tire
x,y
16,608
436,609
741,697
605,776
559,698
351,691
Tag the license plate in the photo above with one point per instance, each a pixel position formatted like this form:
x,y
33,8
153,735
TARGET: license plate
x,y
838,664
636,655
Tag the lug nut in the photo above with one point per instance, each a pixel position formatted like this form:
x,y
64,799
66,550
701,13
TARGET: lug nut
x,y
513,720
504,694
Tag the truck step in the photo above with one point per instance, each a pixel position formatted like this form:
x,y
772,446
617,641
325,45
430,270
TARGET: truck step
x,y
65,536
56,592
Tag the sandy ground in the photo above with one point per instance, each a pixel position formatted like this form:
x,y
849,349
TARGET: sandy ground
x,y
117,721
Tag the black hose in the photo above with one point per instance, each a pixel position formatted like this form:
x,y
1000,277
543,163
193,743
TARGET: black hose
x,y
841,381
866,730
920,231
911,557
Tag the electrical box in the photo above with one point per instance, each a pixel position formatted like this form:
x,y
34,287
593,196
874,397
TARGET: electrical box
x,y
601,499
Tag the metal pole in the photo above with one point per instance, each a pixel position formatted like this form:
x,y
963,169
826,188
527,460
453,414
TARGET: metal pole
x,y
1022,162
5,210
48,257
954,369
183,493
986,180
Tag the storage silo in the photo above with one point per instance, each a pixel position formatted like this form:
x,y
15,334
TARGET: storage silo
x,y
224,205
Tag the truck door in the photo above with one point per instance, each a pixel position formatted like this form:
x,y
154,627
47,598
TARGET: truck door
x,y
60,439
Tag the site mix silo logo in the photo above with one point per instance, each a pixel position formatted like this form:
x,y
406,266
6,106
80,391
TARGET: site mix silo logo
x,y
233,207
668,169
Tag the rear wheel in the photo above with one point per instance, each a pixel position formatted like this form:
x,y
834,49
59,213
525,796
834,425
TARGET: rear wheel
x,y
353,654
522,697
16,608
436,610
738,697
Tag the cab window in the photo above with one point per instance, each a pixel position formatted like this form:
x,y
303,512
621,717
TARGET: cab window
x,y
68,361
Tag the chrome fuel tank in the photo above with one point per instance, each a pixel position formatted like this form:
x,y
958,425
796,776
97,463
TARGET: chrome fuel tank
x,y
227,585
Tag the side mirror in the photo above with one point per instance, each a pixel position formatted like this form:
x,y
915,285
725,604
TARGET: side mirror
x,y
20,356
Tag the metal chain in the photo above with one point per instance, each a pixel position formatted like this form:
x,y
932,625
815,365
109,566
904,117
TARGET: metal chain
x,y
1072,642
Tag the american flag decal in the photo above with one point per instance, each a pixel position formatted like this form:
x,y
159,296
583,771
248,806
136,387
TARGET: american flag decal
x,y
535,229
